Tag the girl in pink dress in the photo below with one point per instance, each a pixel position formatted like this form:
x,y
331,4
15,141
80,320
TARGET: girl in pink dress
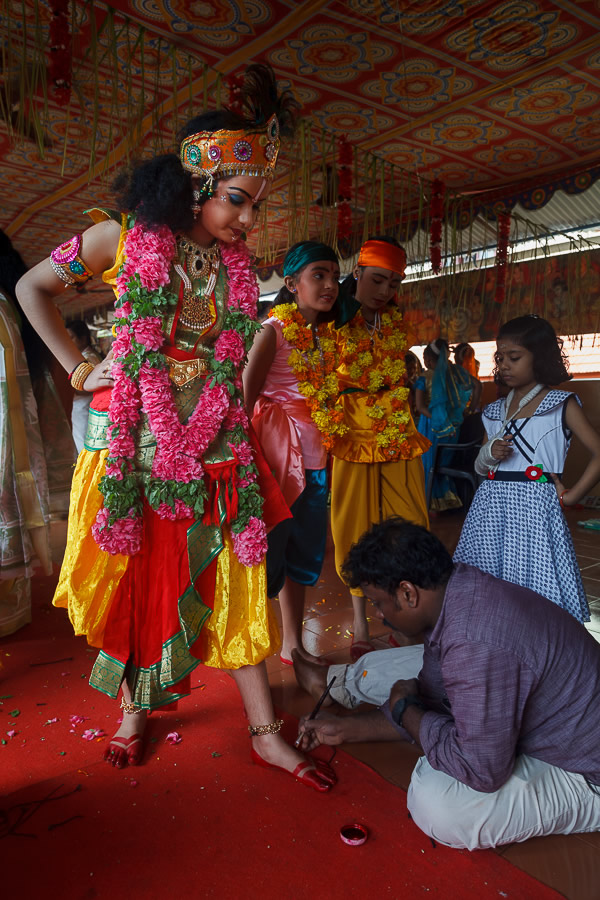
x,y
291,364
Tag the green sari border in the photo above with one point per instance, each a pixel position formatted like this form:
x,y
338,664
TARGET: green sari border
x,y
148,684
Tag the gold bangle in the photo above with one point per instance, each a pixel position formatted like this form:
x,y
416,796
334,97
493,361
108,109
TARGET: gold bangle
x,y
271,728
79,376
131,708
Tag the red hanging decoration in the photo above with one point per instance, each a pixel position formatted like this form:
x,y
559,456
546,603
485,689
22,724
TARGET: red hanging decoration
x,y
344,210
436,211
502,255
234,87
60,51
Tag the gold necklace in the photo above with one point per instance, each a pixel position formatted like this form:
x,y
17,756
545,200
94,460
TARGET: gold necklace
x,y
200,263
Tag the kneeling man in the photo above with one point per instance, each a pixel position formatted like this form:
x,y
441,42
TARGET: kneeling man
x,y
506,705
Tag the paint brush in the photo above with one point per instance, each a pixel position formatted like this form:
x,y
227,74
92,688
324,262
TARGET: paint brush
x,y
320,702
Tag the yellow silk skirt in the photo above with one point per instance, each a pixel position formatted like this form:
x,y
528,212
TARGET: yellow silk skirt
x,y
241,630
365,493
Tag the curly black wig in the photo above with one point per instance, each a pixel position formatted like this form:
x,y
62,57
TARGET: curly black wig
x,y
159,190
550,363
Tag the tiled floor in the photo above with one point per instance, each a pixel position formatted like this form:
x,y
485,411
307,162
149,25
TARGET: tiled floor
x,y
571,863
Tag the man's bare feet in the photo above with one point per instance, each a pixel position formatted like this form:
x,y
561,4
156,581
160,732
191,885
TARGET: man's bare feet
x,y
311,677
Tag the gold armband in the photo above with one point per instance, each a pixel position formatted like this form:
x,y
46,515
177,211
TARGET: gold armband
x,y
67,263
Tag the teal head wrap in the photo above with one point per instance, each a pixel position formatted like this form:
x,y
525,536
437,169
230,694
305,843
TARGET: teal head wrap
x,y
306,252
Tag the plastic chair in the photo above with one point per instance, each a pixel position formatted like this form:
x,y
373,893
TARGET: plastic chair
x,y
437,468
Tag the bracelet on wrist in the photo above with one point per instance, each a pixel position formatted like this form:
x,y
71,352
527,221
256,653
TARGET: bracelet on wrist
x,y
560,499
74,369
79,375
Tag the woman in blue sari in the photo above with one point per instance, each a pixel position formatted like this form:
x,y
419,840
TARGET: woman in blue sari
x,y
443,394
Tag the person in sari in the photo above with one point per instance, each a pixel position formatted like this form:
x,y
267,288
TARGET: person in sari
x,y
443,394
24,499
164,567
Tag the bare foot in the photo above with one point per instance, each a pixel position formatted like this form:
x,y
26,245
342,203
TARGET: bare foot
x,y
311,677
360,631
360,626
271,750
126,746
288,653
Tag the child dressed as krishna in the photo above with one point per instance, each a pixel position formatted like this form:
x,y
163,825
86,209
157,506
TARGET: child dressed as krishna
x,y
164,567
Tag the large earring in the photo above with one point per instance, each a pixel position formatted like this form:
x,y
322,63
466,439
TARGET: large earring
x,y
196,206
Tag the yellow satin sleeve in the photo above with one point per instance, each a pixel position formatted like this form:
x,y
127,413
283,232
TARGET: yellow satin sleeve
x,y
101,215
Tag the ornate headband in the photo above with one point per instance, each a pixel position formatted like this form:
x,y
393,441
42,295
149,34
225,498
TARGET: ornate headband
x,y
384,256
220,154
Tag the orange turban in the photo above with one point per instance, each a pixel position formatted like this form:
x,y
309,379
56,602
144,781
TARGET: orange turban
x,y
383,255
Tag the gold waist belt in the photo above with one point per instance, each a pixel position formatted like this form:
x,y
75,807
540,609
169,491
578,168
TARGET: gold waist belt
x,y
182,372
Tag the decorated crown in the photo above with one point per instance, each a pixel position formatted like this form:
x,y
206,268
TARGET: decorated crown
x,y
224,153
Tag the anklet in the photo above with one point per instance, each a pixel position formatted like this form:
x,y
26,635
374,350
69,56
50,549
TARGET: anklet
x,y
271,728
131,707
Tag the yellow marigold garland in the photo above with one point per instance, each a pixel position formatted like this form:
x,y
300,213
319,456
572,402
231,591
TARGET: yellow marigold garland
x,y
315,370
388,425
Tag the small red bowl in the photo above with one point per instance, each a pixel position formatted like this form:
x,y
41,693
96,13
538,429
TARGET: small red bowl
x,y
355,834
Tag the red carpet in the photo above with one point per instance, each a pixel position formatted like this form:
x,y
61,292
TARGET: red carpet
x,y
197,819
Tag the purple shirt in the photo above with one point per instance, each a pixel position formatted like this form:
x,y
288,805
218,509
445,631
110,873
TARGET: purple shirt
x,y
508,672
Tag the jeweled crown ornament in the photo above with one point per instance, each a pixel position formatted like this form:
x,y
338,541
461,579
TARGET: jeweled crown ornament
x,y
221,154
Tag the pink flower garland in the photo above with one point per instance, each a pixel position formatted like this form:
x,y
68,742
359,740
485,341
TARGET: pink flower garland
x,y
179,447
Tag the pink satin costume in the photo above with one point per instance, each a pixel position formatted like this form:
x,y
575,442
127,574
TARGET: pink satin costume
x,y
290,440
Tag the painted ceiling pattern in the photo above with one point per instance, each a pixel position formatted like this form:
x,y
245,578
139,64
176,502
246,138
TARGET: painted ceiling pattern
x,y
482,94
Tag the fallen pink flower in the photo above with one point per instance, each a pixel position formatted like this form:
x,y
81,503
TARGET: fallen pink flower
x,y
77,720
91,734
51,721
173,737
11,733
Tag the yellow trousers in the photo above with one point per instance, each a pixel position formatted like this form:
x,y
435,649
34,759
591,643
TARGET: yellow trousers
x,y
365,493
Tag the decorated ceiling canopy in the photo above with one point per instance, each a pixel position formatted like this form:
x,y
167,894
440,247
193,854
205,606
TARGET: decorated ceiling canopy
x,y
429,120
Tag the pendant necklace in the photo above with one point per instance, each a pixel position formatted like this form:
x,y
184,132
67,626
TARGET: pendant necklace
x,y
200,263
373,327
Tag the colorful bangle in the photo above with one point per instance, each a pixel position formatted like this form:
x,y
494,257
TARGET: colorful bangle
x,y
67,263
560,499
79,375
